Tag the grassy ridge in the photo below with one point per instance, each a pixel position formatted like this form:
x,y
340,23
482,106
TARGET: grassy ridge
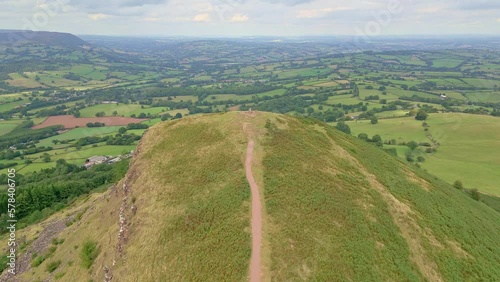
x,y
331,224
201,210
335,209
320,231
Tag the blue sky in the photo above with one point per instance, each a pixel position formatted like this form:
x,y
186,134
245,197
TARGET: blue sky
x,y
253,17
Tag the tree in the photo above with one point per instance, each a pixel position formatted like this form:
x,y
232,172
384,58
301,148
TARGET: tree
x,y
100,114
413,88
363,136
374,120
410,157
122,130
55,141
77,114
420,159
474,193
458,184
115,113
376,138
412,145
342,126
46,158
177,116
404,87
421,115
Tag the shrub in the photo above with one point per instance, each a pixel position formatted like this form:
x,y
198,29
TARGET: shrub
x,y
89,253
412,145
421,115
363,136
59,275
458,184
37,261
474,193
53,265
420,159
410,157
342,126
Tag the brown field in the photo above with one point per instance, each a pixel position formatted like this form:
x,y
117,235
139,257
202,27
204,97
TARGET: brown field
x,y
343,81
72,122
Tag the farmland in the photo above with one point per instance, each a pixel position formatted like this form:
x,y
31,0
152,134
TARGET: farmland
x,y
466,151
315,81
72,122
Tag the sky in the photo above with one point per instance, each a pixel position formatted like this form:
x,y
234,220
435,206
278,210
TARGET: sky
x,y
253,17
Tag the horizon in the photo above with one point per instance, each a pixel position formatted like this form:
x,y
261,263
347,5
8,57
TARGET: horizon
x,y
215,36
236,18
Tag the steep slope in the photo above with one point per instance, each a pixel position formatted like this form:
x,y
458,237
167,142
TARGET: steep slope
x,y
333,209
19,37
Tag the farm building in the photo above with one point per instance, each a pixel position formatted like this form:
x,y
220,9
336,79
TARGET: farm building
x,y
95,160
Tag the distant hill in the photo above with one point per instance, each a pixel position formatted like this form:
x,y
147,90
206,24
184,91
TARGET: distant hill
x,y
19,37
334,208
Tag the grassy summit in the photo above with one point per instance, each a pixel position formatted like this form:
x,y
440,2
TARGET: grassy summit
x,y
334,209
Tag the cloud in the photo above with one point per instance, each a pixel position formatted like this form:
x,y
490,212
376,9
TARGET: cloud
x,y
318,13
429,10
480,5
98,17
238,18
111,6
151,19
201,18
290,2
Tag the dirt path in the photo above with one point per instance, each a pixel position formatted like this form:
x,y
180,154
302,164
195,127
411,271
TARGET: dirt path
x,y
255,264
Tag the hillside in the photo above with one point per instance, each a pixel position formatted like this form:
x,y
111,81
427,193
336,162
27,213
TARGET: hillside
x,y
333,209
19,37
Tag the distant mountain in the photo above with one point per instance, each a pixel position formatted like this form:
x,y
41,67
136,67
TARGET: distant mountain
x,y
20,37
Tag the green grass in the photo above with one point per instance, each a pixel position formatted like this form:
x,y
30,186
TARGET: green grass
x,y
279,92
226,97
88,253
53,265
78,133
9,106
481,83
108,109
447,62
7,126
305,72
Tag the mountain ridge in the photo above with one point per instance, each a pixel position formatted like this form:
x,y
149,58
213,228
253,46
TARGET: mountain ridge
x,y
19,37
333,208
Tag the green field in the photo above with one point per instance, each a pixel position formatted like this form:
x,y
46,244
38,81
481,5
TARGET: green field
x,y
9,106
7,126
227,97
467,150
108,109
78,133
